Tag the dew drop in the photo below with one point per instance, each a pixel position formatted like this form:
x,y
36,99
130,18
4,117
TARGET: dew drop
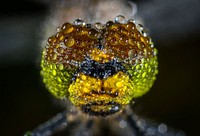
x,y
140,27
120,19
141,30
144,33
59,36
144,74
145,52
61,67
132,41
52,40
151,131
122,124
79,22
59,80
98,25
116,108
132,54
60,50
54,72
139,45
54,57
162,128
69,41
109,23
93,34
88,25
130,26
123,41
67,28
131,20
119,84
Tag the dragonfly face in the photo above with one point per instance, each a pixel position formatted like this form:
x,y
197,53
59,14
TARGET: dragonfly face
x,y
99,68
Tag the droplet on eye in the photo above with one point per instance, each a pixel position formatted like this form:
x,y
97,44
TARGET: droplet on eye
x,y
54,57
120,19
60,66
98,25
60,50
130,26
131,20
123,41
113,41
67,28
141,30
79,22
139,45
88,25
52,40
132,41
69,41
59,36
93,33
132,54
140,27
119,84
109,23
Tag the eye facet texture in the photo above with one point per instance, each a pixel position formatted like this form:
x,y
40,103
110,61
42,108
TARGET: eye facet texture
x,y
101,67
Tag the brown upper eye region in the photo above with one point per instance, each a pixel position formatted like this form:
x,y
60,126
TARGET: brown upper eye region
x,y
99,70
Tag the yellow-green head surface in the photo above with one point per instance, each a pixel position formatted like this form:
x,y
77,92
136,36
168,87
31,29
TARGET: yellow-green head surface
x,y
100,68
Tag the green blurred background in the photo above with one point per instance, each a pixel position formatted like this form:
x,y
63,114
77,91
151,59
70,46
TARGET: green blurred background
x,y
174,98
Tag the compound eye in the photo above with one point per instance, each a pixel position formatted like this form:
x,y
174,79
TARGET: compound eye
x,y
127,41
64,53
71,44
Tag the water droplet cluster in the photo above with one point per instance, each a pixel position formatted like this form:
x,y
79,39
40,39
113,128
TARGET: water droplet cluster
x,y
116,88
143,74
71,44
121,40
56,78
126,42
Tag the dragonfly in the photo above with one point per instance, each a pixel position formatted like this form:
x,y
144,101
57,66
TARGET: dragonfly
x,y
99,69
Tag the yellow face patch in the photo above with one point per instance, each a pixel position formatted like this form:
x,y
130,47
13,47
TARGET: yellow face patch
x,y
99,69
98,93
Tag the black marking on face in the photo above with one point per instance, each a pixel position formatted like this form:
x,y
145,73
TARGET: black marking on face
x,y
115,107
99,70
100,47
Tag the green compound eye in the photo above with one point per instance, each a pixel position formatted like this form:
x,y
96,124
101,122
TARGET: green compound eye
x,y
100,68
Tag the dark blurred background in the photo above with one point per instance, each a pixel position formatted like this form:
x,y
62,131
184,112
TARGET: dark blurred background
x,y
174,98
